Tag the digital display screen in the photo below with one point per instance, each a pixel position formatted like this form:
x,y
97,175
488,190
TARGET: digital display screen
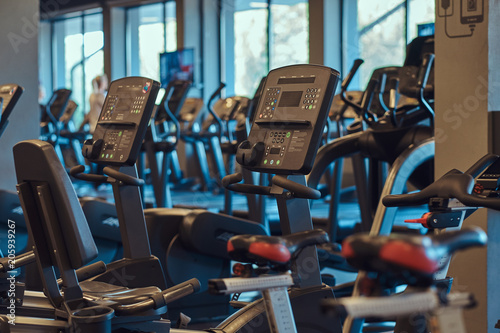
x,y
296,80
177,65
274,151
124,103
290,98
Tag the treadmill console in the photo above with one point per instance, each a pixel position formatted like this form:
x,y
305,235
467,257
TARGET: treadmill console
x,y
289,120
123,122
9,95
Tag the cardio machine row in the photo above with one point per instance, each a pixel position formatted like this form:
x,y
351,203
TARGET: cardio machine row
x,y
247,153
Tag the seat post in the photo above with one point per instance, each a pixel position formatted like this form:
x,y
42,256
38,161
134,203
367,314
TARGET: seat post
x,y
131,216
295,216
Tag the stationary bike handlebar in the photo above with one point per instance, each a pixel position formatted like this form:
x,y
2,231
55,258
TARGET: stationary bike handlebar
x,y
211,110
423,74
161,298
231,182
347,80
77,172
172,117
125,179
453,184
297,190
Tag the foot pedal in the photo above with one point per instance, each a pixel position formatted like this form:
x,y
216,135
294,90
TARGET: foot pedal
x,y
183,321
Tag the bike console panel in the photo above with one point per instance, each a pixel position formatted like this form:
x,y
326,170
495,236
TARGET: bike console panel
x,y
289,120
123,122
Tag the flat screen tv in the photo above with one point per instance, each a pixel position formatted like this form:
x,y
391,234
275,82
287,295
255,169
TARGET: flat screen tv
x,y
176,65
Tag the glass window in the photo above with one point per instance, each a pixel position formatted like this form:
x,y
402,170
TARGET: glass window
x,y
289,43
149,28
421,11
262,38
250,45
78,57
382,32
381,26
93,43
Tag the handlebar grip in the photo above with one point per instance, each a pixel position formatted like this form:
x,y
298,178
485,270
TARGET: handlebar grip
x,y
400,200
217,92
19,261
126,179
462,239
298,190
162,298
481,165
86,272
347,80
212,112
425,69
232,179
231,183
367,99
77,172
91,270
187,287
394,97
474,201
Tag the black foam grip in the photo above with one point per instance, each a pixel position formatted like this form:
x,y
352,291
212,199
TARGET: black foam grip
x,y
482,164
91,270
425,69
298,190
126,179
232,179
462,239
77,172
347,80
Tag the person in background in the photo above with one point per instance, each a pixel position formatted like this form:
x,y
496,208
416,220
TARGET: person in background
x,y
96,100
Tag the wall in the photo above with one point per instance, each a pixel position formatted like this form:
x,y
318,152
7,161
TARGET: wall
x,y
467,87
19,64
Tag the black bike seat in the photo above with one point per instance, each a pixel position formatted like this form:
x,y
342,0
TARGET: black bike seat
x,y
399,253
272,250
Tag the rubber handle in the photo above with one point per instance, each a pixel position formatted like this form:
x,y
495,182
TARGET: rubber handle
x,y
19,261
160,299
481,165
126,179
231,183
462,239
298,190
77,172
347,80
232,179
425,69
86,272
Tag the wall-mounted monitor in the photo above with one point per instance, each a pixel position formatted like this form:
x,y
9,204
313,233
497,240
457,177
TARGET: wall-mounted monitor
x,y
176,65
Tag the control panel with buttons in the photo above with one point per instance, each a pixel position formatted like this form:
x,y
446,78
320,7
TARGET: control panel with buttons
x,y
123,122
290,119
